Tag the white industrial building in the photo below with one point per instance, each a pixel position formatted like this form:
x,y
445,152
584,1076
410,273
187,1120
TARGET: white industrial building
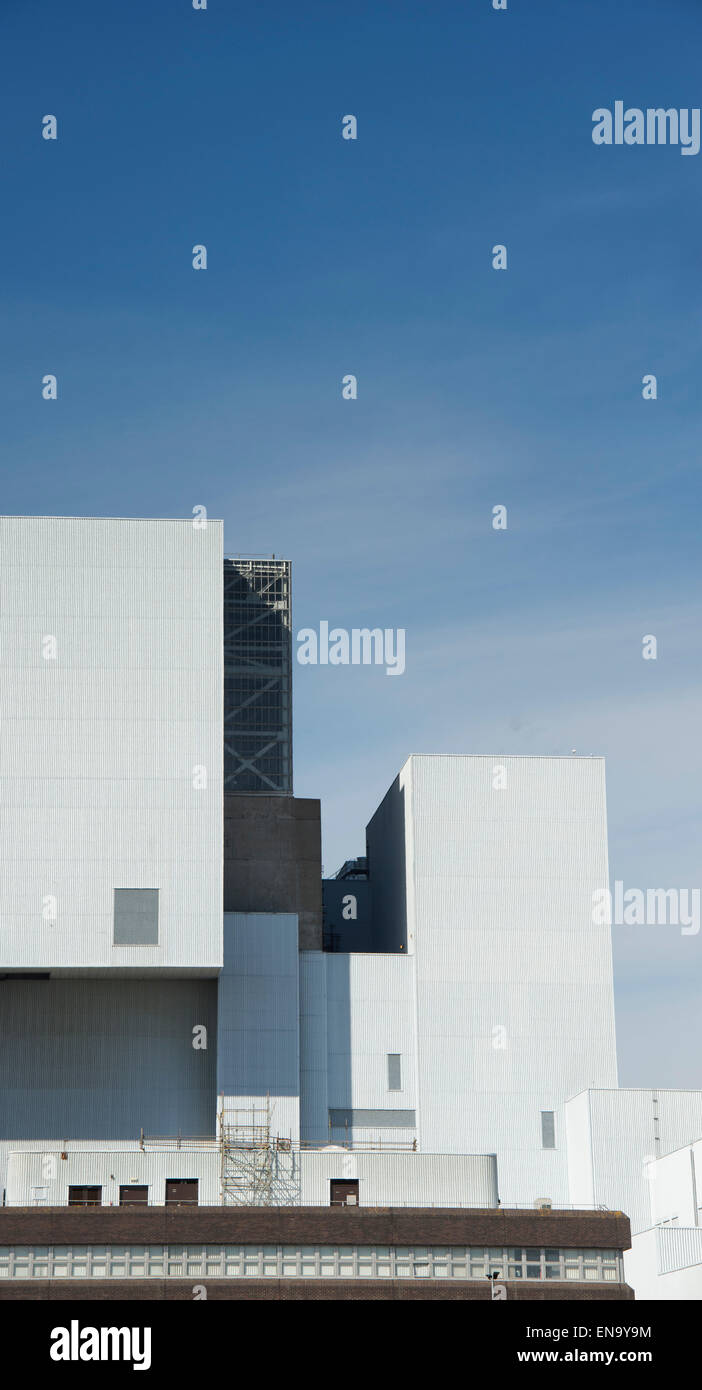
x,y
485,870
151,1037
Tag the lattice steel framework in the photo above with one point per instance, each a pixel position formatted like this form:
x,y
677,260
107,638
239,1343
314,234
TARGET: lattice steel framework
x,y
257,676
258,1168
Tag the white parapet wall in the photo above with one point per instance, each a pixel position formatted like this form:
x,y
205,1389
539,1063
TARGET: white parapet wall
x,y
402,1179
42,1174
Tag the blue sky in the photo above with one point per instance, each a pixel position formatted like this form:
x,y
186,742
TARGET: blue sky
x,y
476,387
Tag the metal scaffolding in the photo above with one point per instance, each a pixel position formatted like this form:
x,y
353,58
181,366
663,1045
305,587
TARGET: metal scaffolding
x,y
258,1168
257,676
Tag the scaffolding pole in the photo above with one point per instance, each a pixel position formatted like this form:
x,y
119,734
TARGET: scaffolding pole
x,y
258,1167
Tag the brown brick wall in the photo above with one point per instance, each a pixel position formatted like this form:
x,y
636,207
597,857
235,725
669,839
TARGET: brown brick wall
x,y
311,1226
295,1290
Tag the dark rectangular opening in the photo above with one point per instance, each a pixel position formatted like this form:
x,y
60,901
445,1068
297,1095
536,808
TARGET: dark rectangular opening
x,y
343,1192
133,1196
85,1196
26,975
181,1192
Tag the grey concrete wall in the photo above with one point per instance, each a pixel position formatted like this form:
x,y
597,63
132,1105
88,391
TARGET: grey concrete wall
x,y
273,859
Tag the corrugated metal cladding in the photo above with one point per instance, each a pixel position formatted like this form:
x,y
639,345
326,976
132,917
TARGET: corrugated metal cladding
x,y
385,1179
44,1178
258,1026
356,1009
111,748
678,1247
403,1179
99,1059
679,1118
514,999
654,1123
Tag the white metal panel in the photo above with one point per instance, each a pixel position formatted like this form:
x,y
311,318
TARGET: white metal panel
x,y
673,1188
356,1010
641,1266
621,1169
100,741
514,1000
109,1169
370,1013
581,1180
385,1179
630,1128
679,1118
403,1179
678,1247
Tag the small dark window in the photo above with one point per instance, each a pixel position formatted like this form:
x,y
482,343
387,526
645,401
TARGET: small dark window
x,y
343,1192
181,1192
548,1129
132,1196
85,1196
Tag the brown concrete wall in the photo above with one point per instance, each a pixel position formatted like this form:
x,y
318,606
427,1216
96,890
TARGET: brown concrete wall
x,y
312,1225
273,859
295,1290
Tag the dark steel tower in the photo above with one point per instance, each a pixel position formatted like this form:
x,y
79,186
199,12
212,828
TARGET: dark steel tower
x,y
257,676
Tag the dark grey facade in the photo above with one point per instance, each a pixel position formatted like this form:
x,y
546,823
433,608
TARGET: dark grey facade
x,y
273,859
348,924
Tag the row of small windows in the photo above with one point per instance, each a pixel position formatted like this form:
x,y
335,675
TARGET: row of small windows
x,y
179,1192
314,1262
